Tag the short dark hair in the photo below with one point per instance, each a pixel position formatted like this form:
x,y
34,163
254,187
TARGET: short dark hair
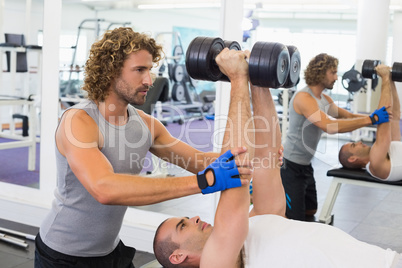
x,y
343,157
163,248
317,68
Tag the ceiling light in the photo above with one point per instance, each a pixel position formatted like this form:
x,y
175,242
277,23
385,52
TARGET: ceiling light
x,y
170,6
305,7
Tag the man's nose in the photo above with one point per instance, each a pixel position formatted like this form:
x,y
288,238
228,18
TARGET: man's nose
x,y
148,79
195,219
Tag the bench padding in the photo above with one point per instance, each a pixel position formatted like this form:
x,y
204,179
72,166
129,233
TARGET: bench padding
x,y
358,174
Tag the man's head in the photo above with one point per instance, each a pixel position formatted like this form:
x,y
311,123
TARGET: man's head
x,y
322,69
179,242
354,155
108,55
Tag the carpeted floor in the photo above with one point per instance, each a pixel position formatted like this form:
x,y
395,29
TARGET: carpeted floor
x,y
14,166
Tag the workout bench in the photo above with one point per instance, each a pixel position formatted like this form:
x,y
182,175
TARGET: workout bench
x,y
27,140
358,177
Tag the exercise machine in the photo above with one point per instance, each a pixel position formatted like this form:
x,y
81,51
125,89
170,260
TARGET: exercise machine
x,y
184,102
97,26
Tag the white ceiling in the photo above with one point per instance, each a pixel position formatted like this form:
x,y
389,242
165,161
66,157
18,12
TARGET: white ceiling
x,y
272,5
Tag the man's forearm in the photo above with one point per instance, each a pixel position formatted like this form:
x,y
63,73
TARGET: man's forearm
x,y
347,125
386,94
396,106
268,192
135,190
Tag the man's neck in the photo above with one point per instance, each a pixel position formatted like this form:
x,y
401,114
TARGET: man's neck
x,y
317,90
114,110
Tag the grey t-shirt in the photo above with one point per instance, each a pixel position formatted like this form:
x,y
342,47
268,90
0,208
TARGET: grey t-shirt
x,y
302,136
77,224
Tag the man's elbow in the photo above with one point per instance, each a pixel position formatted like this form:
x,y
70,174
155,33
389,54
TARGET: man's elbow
x,y
102,193
331,129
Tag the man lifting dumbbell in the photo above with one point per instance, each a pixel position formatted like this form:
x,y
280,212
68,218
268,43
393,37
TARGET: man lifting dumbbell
x,y
101,146
383,160
369,70
311,112
261,237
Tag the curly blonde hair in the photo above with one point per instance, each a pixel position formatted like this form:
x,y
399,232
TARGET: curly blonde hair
x,y
107,56
317,68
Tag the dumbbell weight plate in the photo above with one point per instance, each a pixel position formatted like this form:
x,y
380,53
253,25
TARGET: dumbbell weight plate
x,y
368,69
271,68
254,62
294,70
192,54
267,68
280,62
178,92
231,45
207,66
397,72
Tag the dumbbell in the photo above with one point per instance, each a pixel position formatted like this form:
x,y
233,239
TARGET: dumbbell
x,y
396,72
268,62
368,70
294,70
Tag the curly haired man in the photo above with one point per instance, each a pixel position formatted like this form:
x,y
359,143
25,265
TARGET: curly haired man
x,y
311,112
101,144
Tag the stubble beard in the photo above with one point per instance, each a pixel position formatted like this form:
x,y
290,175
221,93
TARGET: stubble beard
x,y
129,94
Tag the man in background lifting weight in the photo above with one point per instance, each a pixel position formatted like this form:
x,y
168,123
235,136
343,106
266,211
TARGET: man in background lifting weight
x,y
263,237
383,160
311,112
101,145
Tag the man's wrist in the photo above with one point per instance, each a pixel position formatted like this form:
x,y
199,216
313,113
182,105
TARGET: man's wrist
x,y
386,79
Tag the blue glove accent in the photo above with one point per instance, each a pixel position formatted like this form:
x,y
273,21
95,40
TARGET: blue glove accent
x,y
382,116
226,174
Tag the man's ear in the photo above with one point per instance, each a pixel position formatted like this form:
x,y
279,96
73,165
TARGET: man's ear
x,y
177,257
352,159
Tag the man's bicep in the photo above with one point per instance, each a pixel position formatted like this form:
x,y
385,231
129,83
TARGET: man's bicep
x,y
379,162
223,249
268,192
308,107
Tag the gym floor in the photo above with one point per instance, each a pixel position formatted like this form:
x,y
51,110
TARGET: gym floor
x,y
371,215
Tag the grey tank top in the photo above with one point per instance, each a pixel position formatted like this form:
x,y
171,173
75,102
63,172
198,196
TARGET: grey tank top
x,y
302,136
77,224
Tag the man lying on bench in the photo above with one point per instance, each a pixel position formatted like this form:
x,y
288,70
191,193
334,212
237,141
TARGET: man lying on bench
x,y
263,237
384,159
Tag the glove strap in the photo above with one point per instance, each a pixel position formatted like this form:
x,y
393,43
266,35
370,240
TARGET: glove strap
x,y
202,179
373,121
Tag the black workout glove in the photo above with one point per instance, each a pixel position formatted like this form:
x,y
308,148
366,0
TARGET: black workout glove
x,y
379,116
226,175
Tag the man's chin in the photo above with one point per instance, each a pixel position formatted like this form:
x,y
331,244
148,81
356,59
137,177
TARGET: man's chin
x,y
138,102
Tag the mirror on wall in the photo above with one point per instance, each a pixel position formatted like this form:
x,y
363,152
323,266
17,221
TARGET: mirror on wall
x,y
21,24
83,24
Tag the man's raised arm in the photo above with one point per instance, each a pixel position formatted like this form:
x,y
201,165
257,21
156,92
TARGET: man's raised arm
x,y
268,192
231,219
379,162
396,114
